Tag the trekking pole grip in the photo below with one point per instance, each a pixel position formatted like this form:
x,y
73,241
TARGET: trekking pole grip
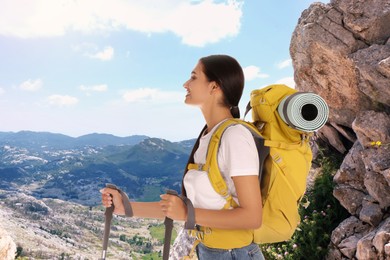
x,y
109,214
125,200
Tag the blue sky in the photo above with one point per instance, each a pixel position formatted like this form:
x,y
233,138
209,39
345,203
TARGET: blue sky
x,y
93,66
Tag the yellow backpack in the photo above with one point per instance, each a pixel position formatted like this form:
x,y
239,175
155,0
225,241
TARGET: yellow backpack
x,y
287,160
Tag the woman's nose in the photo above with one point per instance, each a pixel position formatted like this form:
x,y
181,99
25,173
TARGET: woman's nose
x,y
185,84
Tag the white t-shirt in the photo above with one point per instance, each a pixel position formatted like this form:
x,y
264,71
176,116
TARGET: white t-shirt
x,y
237,156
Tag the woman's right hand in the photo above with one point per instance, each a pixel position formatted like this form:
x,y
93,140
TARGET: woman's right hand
x,y
110,197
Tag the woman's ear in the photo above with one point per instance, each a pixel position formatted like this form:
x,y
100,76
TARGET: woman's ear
x,y
214,85
214,89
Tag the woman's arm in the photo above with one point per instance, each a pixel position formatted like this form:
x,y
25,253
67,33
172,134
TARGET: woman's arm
x,y
246,216
140,209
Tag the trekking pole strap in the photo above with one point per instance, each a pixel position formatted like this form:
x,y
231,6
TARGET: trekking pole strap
x,y
125,200
190,223
108,217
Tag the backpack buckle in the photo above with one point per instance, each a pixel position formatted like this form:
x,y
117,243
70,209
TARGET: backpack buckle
x,y
200,231
259,125
199,235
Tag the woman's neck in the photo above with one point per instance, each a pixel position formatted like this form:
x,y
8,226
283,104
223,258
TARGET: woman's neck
x,y
215,116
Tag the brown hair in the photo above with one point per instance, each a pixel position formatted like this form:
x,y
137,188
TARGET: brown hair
x,y
229,76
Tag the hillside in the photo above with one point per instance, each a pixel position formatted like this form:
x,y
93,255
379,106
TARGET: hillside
x,y
47,165
49,192
55,229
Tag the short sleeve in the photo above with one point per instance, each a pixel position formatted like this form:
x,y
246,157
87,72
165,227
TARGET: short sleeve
x,y
238,153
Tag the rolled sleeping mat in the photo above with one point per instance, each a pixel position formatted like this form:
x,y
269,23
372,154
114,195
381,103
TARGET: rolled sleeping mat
x,y
304,111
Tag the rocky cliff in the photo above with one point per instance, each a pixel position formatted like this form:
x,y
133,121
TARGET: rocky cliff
x,y
341,51
7,246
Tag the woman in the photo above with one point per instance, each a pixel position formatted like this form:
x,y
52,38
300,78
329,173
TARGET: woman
x,y
215,86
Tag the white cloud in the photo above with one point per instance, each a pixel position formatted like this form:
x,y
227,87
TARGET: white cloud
x,y
62,100
92,51
196,22
105,54
2,91
284,64
85,47
253,72
94,88
289,81
31,85
219,20
151,94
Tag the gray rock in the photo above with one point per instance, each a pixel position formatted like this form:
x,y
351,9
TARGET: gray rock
x,y
371,213
371,81
367,20
349,198
352,170
378,188
371,126
341,51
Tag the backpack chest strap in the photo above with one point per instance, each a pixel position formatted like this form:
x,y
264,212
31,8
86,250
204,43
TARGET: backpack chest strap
x,y
218,184
215,178
196,166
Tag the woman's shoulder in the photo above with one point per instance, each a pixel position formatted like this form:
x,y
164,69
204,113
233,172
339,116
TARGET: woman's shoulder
x,y
237,131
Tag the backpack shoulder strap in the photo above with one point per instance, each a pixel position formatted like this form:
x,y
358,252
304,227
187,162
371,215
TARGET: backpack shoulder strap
x,y
211,164
191,159
215,176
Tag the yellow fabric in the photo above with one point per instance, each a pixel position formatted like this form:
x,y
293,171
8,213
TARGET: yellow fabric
x,y
223,238
284,179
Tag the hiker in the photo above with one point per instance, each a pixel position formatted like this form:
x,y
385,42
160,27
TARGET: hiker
x,y
215,86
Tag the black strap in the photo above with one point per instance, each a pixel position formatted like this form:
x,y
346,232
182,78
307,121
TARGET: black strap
x,y
189,224
191,159
248,108
125,200
263,152
108,216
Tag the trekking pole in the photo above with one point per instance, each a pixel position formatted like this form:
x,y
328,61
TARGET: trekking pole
x,y
107,227
168,223
108,217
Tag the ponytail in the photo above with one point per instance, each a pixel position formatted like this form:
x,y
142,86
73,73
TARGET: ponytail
x,y
235,111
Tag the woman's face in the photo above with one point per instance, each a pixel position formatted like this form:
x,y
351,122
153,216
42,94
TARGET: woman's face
x,y
198,86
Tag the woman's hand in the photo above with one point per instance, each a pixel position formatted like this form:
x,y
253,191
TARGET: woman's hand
x,y
110,197
173,207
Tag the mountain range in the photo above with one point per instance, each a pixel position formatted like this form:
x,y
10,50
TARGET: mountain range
x,y
48,165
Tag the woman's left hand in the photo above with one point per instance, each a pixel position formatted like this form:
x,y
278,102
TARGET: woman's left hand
x,y
173,207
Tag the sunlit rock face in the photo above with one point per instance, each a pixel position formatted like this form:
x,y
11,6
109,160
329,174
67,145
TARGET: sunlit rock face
x,y
341,51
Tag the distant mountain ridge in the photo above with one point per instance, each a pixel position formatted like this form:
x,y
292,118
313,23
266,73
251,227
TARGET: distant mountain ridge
x,y
47,165
54,140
